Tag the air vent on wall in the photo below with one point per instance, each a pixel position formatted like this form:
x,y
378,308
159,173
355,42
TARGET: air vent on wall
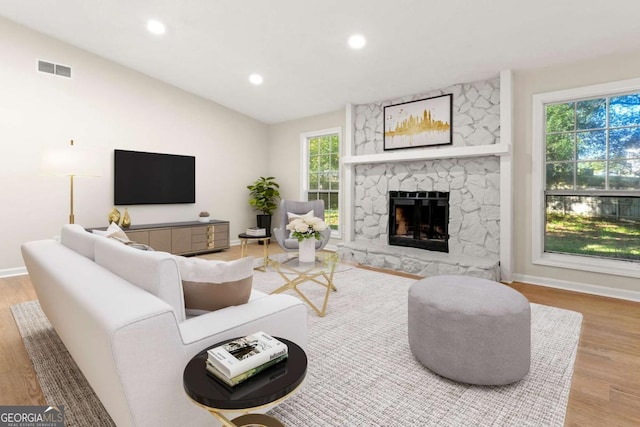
x,y
63,71
48,67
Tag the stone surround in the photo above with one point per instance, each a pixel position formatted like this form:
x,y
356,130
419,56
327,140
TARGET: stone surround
x,y
417,261
475,121
474,200
473,183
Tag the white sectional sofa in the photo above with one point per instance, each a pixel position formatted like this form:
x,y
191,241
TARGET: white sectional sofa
x,y
120,313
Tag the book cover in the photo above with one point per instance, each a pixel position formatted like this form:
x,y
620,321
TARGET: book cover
x,y
242,354
264,378
245,375
255,231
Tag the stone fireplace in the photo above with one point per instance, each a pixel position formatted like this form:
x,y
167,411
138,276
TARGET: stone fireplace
x,y
419,219
462,191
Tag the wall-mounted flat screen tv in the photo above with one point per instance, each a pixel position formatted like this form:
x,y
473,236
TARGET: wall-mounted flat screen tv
x,y
153,178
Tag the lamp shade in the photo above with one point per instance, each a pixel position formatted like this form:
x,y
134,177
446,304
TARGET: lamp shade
x,y
70,160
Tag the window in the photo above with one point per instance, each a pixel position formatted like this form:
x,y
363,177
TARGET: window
x,y
588,176
321,173
593,144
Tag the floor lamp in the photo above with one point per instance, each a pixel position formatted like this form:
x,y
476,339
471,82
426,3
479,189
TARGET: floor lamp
x,y
70,161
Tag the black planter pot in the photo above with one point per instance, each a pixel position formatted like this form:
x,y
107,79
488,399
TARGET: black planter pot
x,y
264,221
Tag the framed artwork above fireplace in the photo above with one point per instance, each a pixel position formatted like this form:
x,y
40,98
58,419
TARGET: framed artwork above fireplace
x,y
420,123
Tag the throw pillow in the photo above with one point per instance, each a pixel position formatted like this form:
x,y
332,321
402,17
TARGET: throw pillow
x,y
116,233
211,285
291,216
113,231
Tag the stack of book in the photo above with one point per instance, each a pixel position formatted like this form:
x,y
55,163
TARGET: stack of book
x,y
255,231
243,358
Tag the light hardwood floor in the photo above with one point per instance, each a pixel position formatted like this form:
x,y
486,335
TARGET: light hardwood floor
x,y
606,381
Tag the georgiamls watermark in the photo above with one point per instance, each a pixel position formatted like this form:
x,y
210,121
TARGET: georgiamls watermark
x,y
31,416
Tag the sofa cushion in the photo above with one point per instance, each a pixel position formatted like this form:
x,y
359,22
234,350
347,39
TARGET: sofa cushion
x,y
76,238
155,272
211,285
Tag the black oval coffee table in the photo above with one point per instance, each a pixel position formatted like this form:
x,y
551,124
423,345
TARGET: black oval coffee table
x,y
267,388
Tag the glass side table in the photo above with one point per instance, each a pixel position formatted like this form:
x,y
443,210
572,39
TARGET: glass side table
x,y
321,272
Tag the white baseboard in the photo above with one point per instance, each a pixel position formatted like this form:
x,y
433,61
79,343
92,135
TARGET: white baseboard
x,y
8,272
602,291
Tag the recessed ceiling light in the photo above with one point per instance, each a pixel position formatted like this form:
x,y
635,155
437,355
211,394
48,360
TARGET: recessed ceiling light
x,y
256,79
156,27
357,41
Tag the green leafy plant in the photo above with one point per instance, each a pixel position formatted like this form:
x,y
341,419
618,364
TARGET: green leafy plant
x,y
265,195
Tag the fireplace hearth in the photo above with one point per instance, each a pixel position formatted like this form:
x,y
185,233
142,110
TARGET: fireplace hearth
x,y
419,219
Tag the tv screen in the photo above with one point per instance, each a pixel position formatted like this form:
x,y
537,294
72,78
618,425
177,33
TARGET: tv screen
x,y
153,178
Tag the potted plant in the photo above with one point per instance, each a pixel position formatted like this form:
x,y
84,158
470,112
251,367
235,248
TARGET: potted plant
x,y
307,230
203,216
265,194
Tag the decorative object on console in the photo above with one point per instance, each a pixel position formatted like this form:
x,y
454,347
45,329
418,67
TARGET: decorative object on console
x,y
114,216
203,216
306,229
265,195
71,161
126,219
420,123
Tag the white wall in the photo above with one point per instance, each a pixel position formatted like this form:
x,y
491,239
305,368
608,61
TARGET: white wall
x,y
284,149
106,106
526,84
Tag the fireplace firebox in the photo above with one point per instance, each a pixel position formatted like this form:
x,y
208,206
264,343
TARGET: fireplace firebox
x,y
419,219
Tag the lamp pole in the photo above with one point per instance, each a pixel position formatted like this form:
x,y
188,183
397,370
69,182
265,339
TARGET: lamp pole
x,y
71,217
70,161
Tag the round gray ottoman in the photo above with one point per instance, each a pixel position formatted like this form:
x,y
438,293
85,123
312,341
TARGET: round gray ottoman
x,y
470,330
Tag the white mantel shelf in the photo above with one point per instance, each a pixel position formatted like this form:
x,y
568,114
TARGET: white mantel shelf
x,y
429,154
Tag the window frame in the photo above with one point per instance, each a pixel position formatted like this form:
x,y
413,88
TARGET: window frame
x,y
304,171
538,222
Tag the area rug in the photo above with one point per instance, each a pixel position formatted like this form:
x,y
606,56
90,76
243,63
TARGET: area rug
x,y
361,371
60,379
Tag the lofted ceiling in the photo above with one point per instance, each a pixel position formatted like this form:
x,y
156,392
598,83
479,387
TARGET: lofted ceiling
x,y
300,46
